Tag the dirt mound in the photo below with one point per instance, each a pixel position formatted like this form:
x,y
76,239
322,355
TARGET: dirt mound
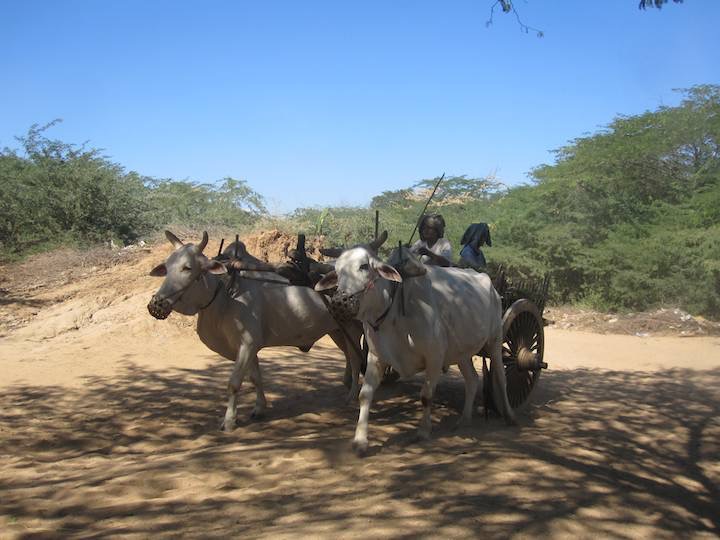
x,y
66,286
274,245
66,290
60,266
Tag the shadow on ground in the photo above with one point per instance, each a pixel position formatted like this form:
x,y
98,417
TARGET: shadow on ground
x,y
616,454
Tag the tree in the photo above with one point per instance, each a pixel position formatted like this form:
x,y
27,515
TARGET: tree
x,y
51,192
627,217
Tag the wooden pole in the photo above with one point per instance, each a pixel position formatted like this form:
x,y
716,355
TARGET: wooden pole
x,y
426,205
402,289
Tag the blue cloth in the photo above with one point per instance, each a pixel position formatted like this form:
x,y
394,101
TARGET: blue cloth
x,y
473,256
477,234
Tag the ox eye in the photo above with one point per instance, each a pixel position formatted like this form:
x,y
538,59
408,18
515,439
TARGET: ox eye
x,y
365,266
186,269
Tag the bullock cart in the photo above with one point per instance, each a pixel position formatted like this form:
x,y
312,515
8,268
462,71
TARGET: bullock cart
x,y
523,348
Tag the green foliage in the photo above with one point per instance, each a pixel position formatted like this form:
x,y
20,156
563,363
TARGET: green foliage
x,y
232,203
55,192
341,225
461,199
626,218
58,191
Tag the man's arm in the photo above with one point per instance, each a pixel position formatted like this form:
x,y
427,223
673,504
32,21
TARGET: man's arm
x,y
442,259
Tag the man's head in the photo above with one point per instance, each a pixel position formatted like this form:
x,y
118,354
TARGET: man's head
x,y
432,227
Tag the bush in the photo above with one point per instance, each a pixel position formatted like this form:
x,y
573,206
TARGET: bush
x,y
55,192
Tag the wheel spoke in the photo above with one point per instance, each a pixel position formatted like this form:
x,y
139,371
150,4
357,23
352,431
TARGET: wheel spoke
x,y
524,330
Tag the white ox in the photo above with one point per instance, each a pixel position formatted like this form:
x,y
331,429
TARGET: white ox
x,y
258,315
450,315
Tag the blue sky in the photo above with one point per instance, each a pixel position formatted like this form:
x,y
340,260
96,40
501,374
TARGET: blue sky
x,y
332,102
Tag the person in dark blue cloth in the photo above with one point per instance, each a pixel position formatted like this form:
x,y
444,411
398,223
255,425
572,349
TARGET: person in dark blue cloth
x,y
475,236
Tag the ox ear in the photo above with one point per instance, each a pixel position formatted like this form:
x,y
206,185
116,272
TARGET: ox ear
x,y
332,252
174,240
388,272
159,271
215,267
327,282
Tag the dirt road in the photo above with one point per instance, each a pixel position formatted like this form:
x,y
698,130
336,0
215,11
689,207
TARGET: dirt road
x,y
108,427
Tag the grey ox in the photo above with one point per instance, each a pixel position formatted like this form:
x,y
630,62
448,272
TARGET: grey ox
x,y
450,314
258,315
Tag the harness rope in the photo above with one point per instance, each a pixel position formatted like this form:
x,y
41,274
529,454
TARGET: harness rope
x,y
214,296
376,326
153,307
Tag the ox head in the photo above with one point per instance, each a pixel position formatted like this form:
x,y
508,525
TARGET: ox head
x,y
356,272
185,267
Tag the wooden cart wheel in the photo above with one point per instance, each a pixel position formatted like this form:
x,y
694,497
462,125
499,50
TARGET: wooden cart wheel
x,y
522,351
523,348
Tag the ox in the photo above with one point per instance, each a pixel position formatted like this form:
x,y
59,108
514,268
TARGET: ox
x,y
449,315
259,314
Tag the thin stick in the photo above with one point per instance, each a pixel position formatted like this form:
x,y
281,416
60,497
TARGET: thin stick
x,y
402,289
426,205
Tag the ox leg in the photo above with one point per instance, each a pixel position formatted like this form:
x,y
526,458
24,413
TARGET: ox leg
x,y
497,374
260,401
471,385
426,397
347,375
352,365
243,363
370,384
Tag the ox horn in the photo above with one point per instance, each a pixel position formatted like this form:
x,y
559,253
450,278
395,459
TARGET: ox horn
x,y
203,242
333,253
174,240
379,241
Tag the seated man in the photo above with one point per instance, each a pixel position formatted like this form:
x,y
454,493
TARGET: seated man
x,y
475,236
432,247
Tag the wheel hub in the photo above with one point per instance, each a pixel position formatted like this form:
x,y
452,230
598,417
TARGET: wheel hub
x,y
529,361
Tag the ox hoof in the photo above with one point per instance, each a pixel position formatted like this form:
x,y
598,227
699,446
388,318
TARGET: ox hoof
x,y
463,423
227,426
422,436
360,448
511,420
257,414
390,376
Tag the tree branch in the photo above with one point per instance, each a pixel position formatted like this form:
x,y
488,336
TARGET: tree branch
x,y
644,4
507,7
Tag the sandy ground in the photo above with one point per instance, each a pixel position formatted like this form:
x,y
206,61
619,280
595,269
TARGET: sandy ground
x,y
108,427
